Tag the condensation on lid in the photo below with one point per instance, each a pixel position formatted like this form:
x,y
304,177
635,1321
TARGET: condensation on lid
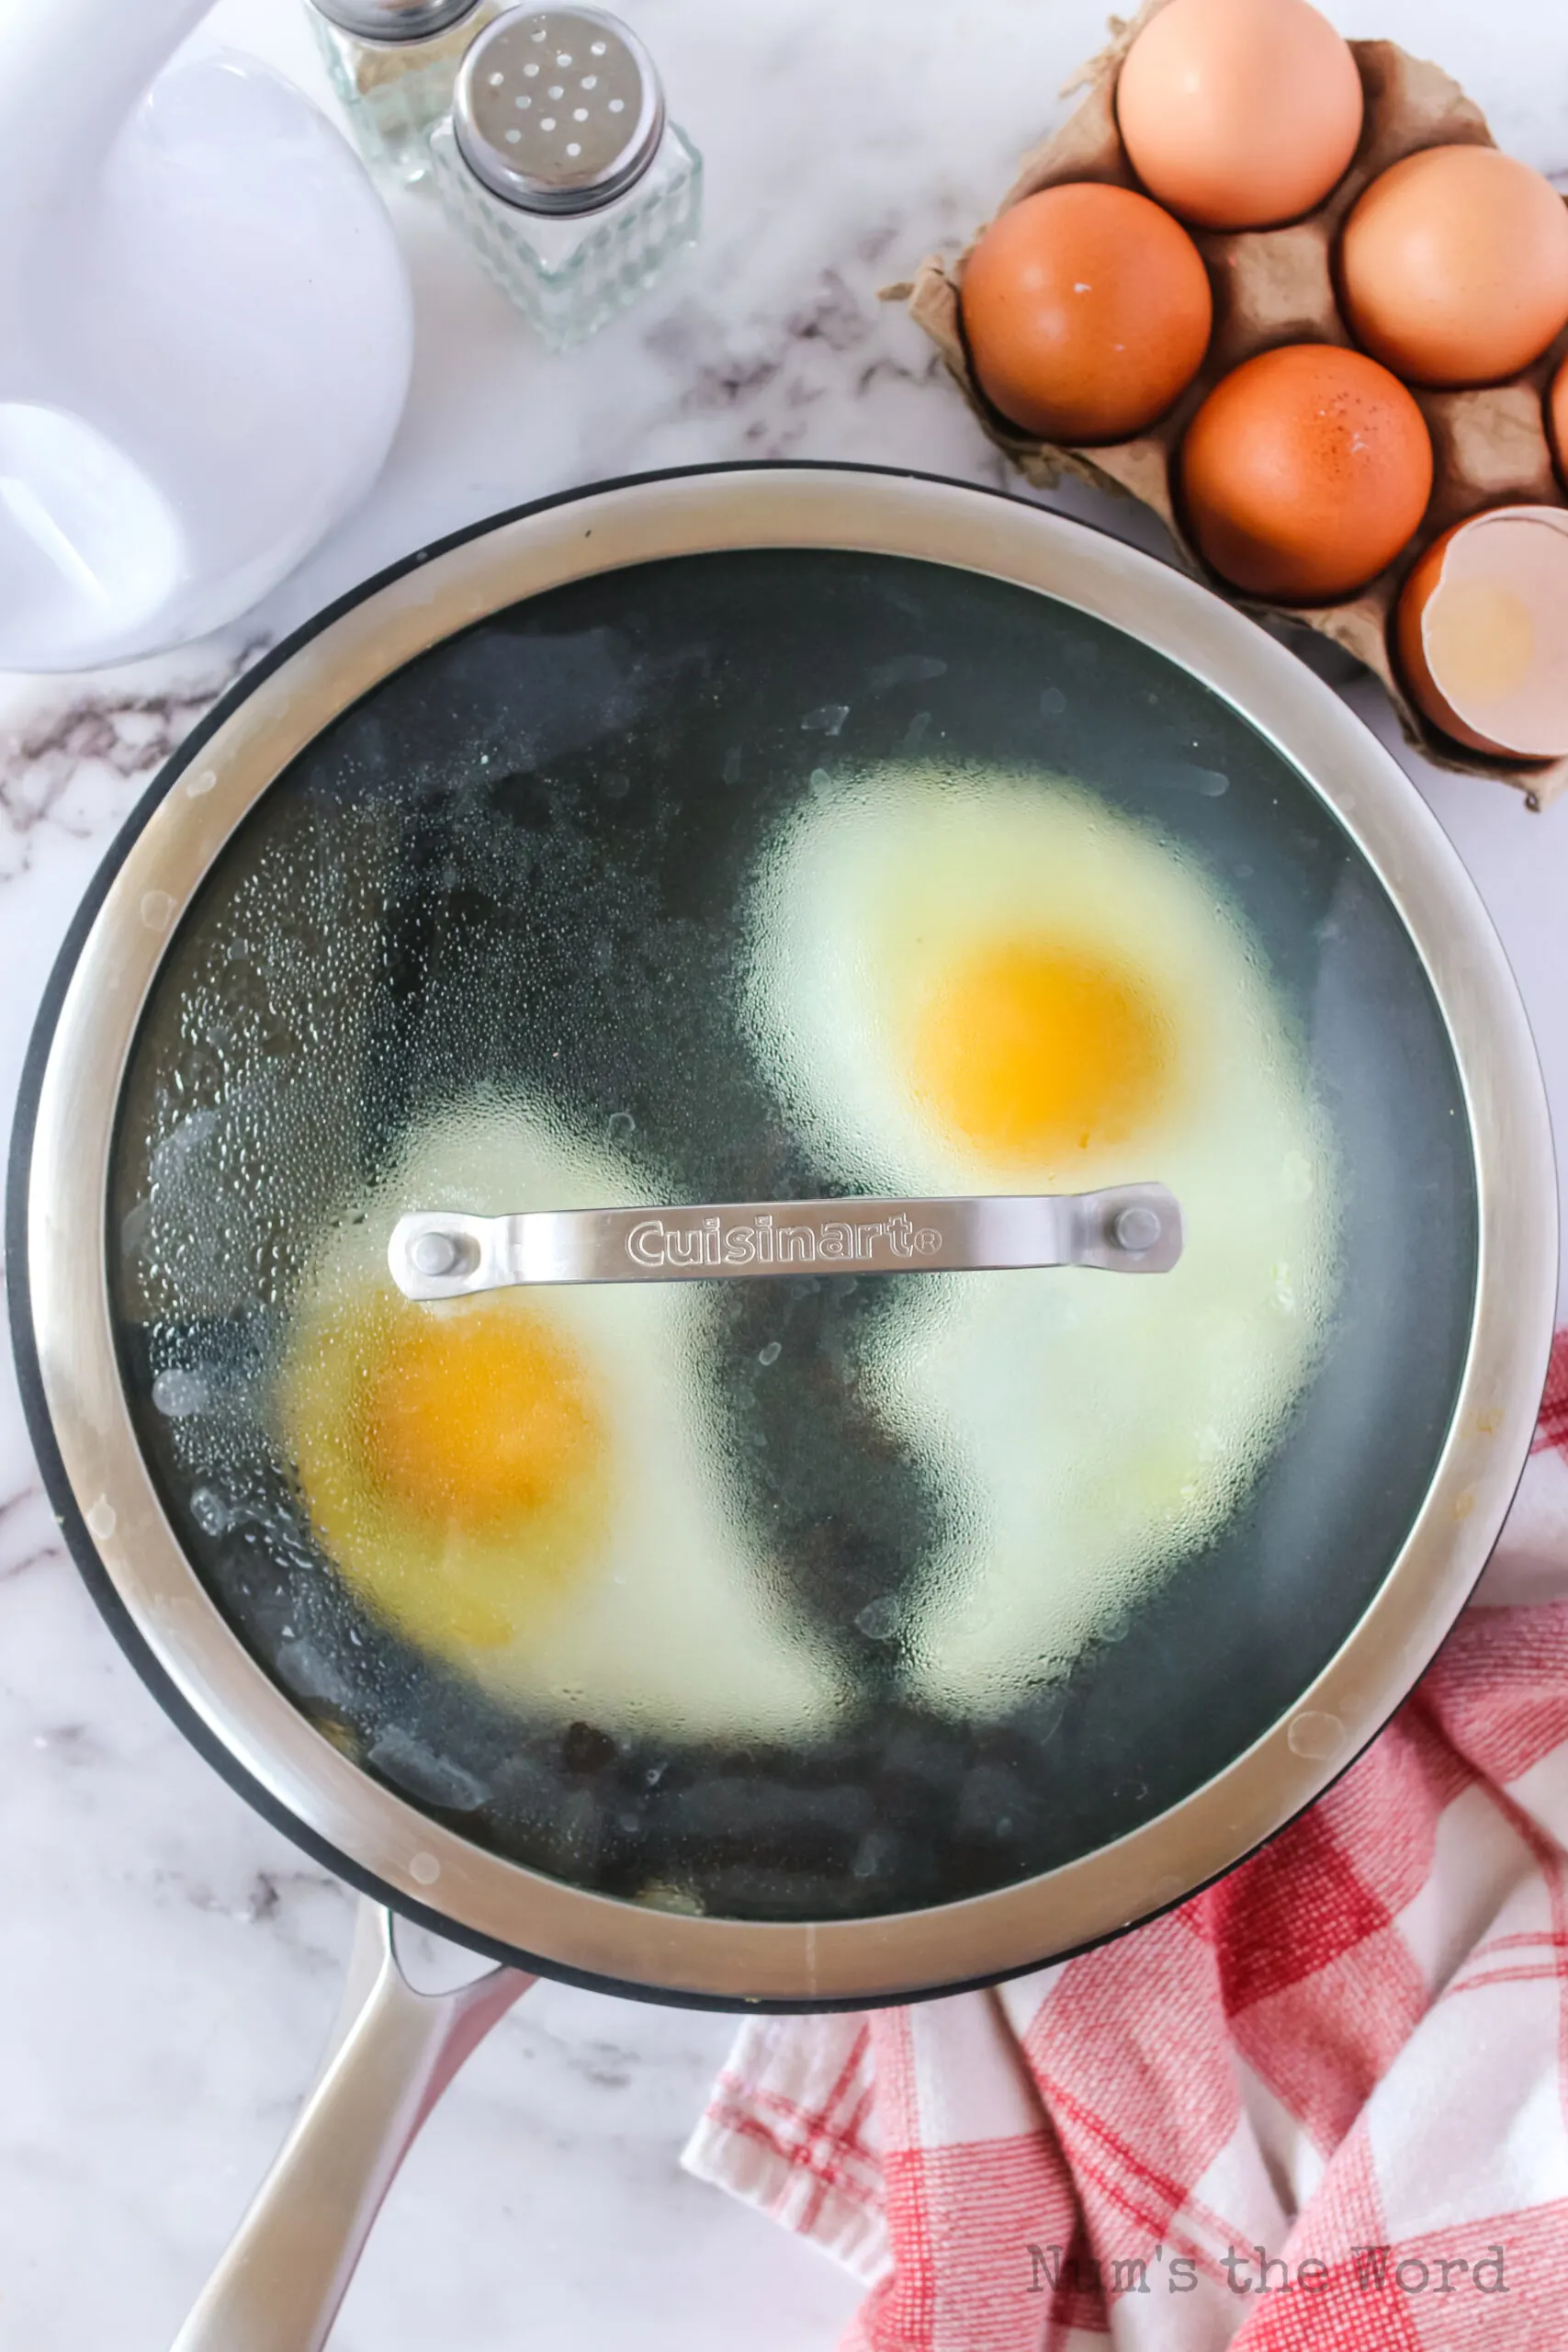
x,y
557,110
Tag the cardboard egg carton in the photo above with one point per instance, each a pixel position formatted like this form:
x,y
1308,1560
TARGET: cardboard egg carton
x,y
1276,285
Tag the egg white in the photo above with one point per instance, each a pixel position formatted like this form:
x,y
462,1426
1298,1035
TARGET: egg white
x,y
1087,1429
672,1623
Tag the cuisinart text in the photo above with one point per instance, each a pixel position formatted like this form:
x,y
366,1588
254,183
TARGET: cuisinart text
x,y
758,1240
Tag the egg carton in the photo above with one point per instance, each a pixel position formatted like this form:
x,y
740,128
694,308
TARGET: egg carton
x,y
1272,287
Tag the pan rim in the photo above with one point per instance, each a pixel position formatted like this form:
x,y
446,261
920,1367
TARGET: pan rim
x,y
81,1421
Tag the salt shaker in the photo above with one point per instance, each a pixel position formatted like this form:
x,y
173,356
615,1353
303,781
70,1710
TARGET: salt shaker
x,y
393,64
560,167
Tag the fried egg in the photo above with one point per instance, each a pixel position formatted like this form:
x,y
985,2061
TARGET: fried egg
x,y
528,1484
958,980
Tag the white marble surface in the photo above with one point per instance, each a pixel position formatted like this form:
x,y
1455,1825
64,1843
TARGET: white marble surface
x,y
168,1966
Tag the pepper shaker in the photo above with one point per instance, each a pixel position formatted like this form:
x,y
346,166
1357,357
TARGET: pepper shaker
x,y
562,170
393,64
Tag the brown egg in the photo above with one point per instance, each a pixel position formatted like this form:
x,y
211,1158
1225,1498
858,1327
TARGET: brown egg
x,y
1557,418
1454,266
1239,114
1305,472
1480,632
1087,310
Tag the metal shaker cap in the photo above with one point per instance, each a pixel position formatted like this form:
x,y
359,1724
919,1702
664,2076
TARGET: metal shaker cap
x,y
395,21
557,110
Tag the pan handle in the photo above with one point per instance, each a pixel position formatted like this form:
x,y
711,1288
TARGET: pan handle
x,y
394,2050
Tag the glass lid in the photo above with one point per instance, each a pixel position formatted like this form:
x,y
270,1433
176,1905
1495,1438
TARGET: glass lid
x,y
769,877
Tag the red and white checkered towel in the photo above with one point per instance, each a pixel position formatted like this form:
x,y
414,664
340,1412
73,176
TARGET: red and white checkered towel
x,y
1323,2105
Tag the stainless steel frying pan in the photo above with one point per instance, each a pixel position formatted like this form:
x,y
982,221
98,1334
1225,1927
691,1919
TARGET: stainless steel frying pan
x,y
485,832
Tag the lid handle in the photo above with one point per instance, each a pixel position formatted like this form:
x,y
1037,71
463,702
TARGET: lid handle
x,y
445,1253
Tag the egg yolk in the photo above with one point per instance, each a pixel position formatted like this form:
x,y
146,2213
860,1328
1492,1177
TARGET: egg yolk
x,y
1031,1050
455,1462
479,1417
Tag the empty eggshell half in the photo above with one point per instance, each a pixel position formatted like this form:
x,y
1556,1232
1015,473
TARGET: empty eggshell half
x,y
1480,632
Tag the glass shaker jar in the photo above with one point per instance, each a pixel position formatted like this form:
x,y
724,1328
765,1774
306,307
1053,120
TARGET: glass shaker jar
x,y
393,64
560,167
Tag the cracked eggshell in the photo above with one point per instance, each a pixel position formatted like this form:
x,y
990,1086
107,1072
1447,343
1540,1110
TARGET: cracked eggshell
x,y
1481,632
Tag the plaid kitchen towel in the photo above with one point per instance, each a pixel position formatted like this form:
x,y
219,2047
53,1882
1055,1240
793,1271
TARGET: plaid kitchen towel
x,y
1324,2104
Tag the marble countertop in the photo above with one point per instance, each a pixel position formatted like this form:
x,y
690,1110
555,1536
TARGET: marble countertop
x,y
168,1966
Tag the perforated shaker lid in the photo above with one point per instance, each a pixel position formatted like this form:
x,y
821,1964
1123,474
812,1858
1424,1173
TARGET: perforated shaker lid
x,y
395,21
558,110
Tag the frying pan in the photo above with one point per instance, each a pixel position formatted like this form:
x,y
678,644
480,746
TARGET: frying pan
x,y
482,832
